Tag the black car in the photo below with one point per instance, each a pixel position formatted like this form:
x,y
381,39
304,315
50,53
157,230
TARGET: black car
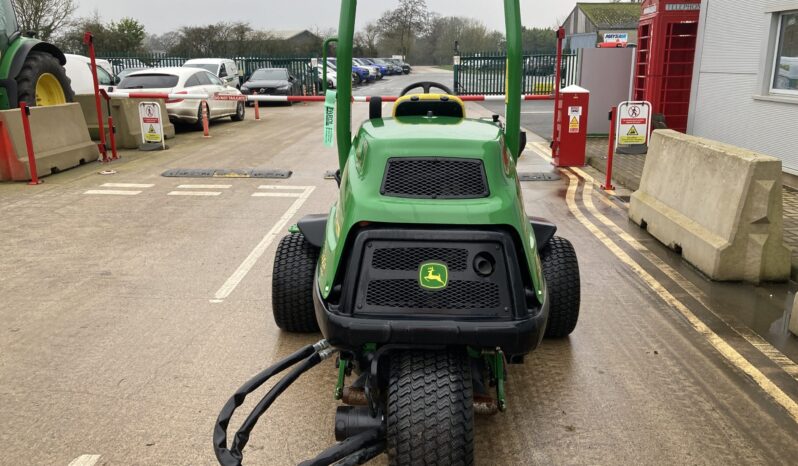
x,y
270,81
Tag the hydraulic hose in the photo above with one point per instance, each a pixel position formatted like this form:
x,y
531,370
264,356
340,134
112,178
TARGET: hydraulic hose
x,y
363,446
233,457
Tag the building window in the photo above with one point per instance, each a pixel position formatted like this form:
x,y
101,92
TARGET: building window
x,y
785,76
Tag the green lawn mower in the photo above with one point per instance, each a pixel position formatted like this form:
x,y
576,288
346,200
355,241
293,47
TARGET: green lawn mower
x,y
426,278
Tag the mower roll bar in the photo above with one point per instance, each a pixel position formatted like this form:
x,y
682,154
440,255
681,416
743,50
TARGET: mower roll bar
x,y
346,34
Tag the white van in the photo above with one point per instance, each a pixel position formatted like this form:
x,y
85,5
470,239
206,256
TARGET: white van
x,y
224,68
78,69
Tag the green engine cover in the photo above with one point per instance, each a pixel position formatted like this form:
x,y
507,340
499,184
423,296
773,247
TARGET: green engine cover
x,y
379,140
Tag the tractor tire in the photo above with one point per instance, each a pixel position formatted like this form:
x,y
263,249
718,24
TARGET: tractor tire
x,y
561,270
241,112
430,409
292,285
36,65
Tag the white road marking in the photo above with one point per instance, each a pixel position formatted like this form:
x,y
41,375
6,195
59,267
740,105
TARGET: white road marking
x,y
195,193
85,460
126,185
243,269
111,192
205,186
721,346
277,195
279,186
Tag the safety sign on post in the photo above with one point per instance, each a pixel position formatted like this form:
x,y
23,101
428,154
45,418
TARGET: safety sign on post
x,y
634,123
574,116
151,123
329,118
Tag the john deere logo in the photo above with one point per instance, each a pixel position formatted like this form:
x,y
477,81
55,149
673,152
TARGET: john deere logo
x,y
433,276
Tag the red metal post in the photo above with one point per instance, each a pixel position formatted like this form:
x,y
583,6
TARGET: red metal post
x,y
555,138
257,107
25,111
112,137
611,150
88,39
205,127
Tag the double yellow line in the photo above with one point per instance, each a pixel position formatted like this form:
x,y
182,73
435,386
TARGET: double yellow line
x,y
720,345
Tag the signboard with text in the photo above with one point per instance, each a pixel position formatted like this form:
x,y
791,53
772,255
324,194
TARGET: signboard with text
x,y
634,123
151,123
617,37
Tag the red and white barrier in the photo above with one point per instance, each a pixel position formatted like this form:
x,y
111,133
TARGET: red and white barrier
x,y
362,98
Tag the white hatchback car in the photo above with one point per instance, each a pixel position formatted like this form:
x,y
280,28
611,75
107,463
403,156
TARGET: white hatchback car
x,y
78,69
224,68
188,81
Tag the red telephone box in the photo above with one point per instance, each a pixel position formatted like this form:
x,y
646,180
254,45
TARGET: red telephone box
x,y
665,55
571,113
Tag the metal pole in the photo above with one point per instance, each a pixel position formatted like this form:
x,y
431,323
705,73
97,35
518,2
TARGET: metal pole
x,y
88,39
346,35
25,111
112,137
611,150
555,138
512,19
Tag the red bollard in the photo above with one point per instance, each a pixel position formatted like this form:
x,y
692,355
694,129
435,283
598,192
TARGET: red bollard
x,y
611,150
112,137
206,132
25,111
257,107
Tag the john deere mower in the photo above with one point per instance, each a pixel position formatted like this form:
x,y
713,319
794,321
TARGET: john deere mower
x,y
426,278
31,71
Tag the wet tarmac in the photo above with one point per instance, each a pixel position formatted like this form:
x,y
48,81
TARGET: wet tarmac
x,y
126,324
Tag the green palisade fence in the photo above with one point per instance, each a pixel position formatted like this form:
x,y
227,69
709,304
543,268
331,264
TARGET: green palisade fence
x,y
484,73
300,67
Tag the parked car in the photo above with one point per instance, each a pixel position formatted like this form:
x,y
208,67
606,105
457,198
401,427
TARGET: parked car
x,y
78,70
122,74
223,68
332,75
406,69
384,69
393,68
270,81
364,75
374,71
187,80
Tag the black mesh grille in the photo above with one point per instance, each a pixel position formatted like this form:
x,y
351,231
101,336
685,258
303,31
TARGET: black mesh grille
x,y
459,295
412,258
435,178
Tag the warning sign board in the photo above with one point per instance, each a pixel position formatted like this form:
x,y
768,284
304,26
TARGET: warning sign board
x,y
151,123
574,115
634,123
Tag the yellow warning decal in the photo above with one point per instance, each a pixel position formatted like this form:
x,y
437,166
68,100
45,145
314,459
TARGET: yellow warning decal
x,y
632,131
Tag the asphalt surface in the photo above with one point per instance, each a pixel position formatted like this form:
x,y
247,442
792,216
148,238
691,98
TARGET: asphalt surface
x,y
131,311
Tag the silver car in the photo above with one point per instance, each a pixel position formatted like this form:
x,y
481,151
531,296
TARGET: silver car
x,y
221,97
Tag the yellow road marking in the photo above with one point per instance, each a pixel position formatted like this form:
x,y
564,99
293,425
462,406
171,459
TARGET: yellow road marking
x,y
771,352
725,350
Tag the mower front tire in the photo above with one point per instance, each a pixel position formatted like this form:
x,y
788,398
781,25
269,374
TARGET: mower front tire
x,y
292,285
430,409
561,270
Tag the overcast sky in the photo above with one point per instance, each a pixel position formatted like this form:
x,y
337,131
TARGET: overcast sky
x,y
163,15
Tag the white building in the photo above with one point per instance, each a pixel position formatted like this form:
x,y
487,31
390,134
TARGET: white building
x,y
745,79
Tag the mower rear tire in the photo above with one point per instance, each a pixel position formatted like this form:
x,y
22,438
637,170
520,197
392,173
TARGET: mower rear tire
x,y
292,285
561,270
430,409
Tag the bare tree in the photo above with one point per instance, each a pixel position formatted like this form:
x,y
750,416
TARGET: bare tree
x,y
45,17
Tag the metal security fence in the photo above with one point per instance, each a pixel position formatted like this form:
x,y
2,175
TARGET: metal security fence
x,y
484,73
307,81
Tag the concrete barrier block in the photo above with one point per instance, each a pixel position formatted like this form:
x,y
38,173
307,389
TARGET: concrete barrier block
x,y
126,120
60,141
719,204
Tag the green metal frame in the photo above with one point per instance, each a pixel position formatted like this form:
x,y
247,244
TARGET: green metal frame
x,y
346,34
324,50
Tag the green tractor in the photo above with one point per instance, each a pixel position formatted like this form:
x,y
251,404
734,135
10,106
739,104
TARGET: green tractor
x,y
31,71
426,278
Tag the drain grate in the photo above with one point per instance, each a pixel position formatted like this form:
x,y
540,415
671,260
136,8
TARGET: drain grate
x,y
227,173
538,177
